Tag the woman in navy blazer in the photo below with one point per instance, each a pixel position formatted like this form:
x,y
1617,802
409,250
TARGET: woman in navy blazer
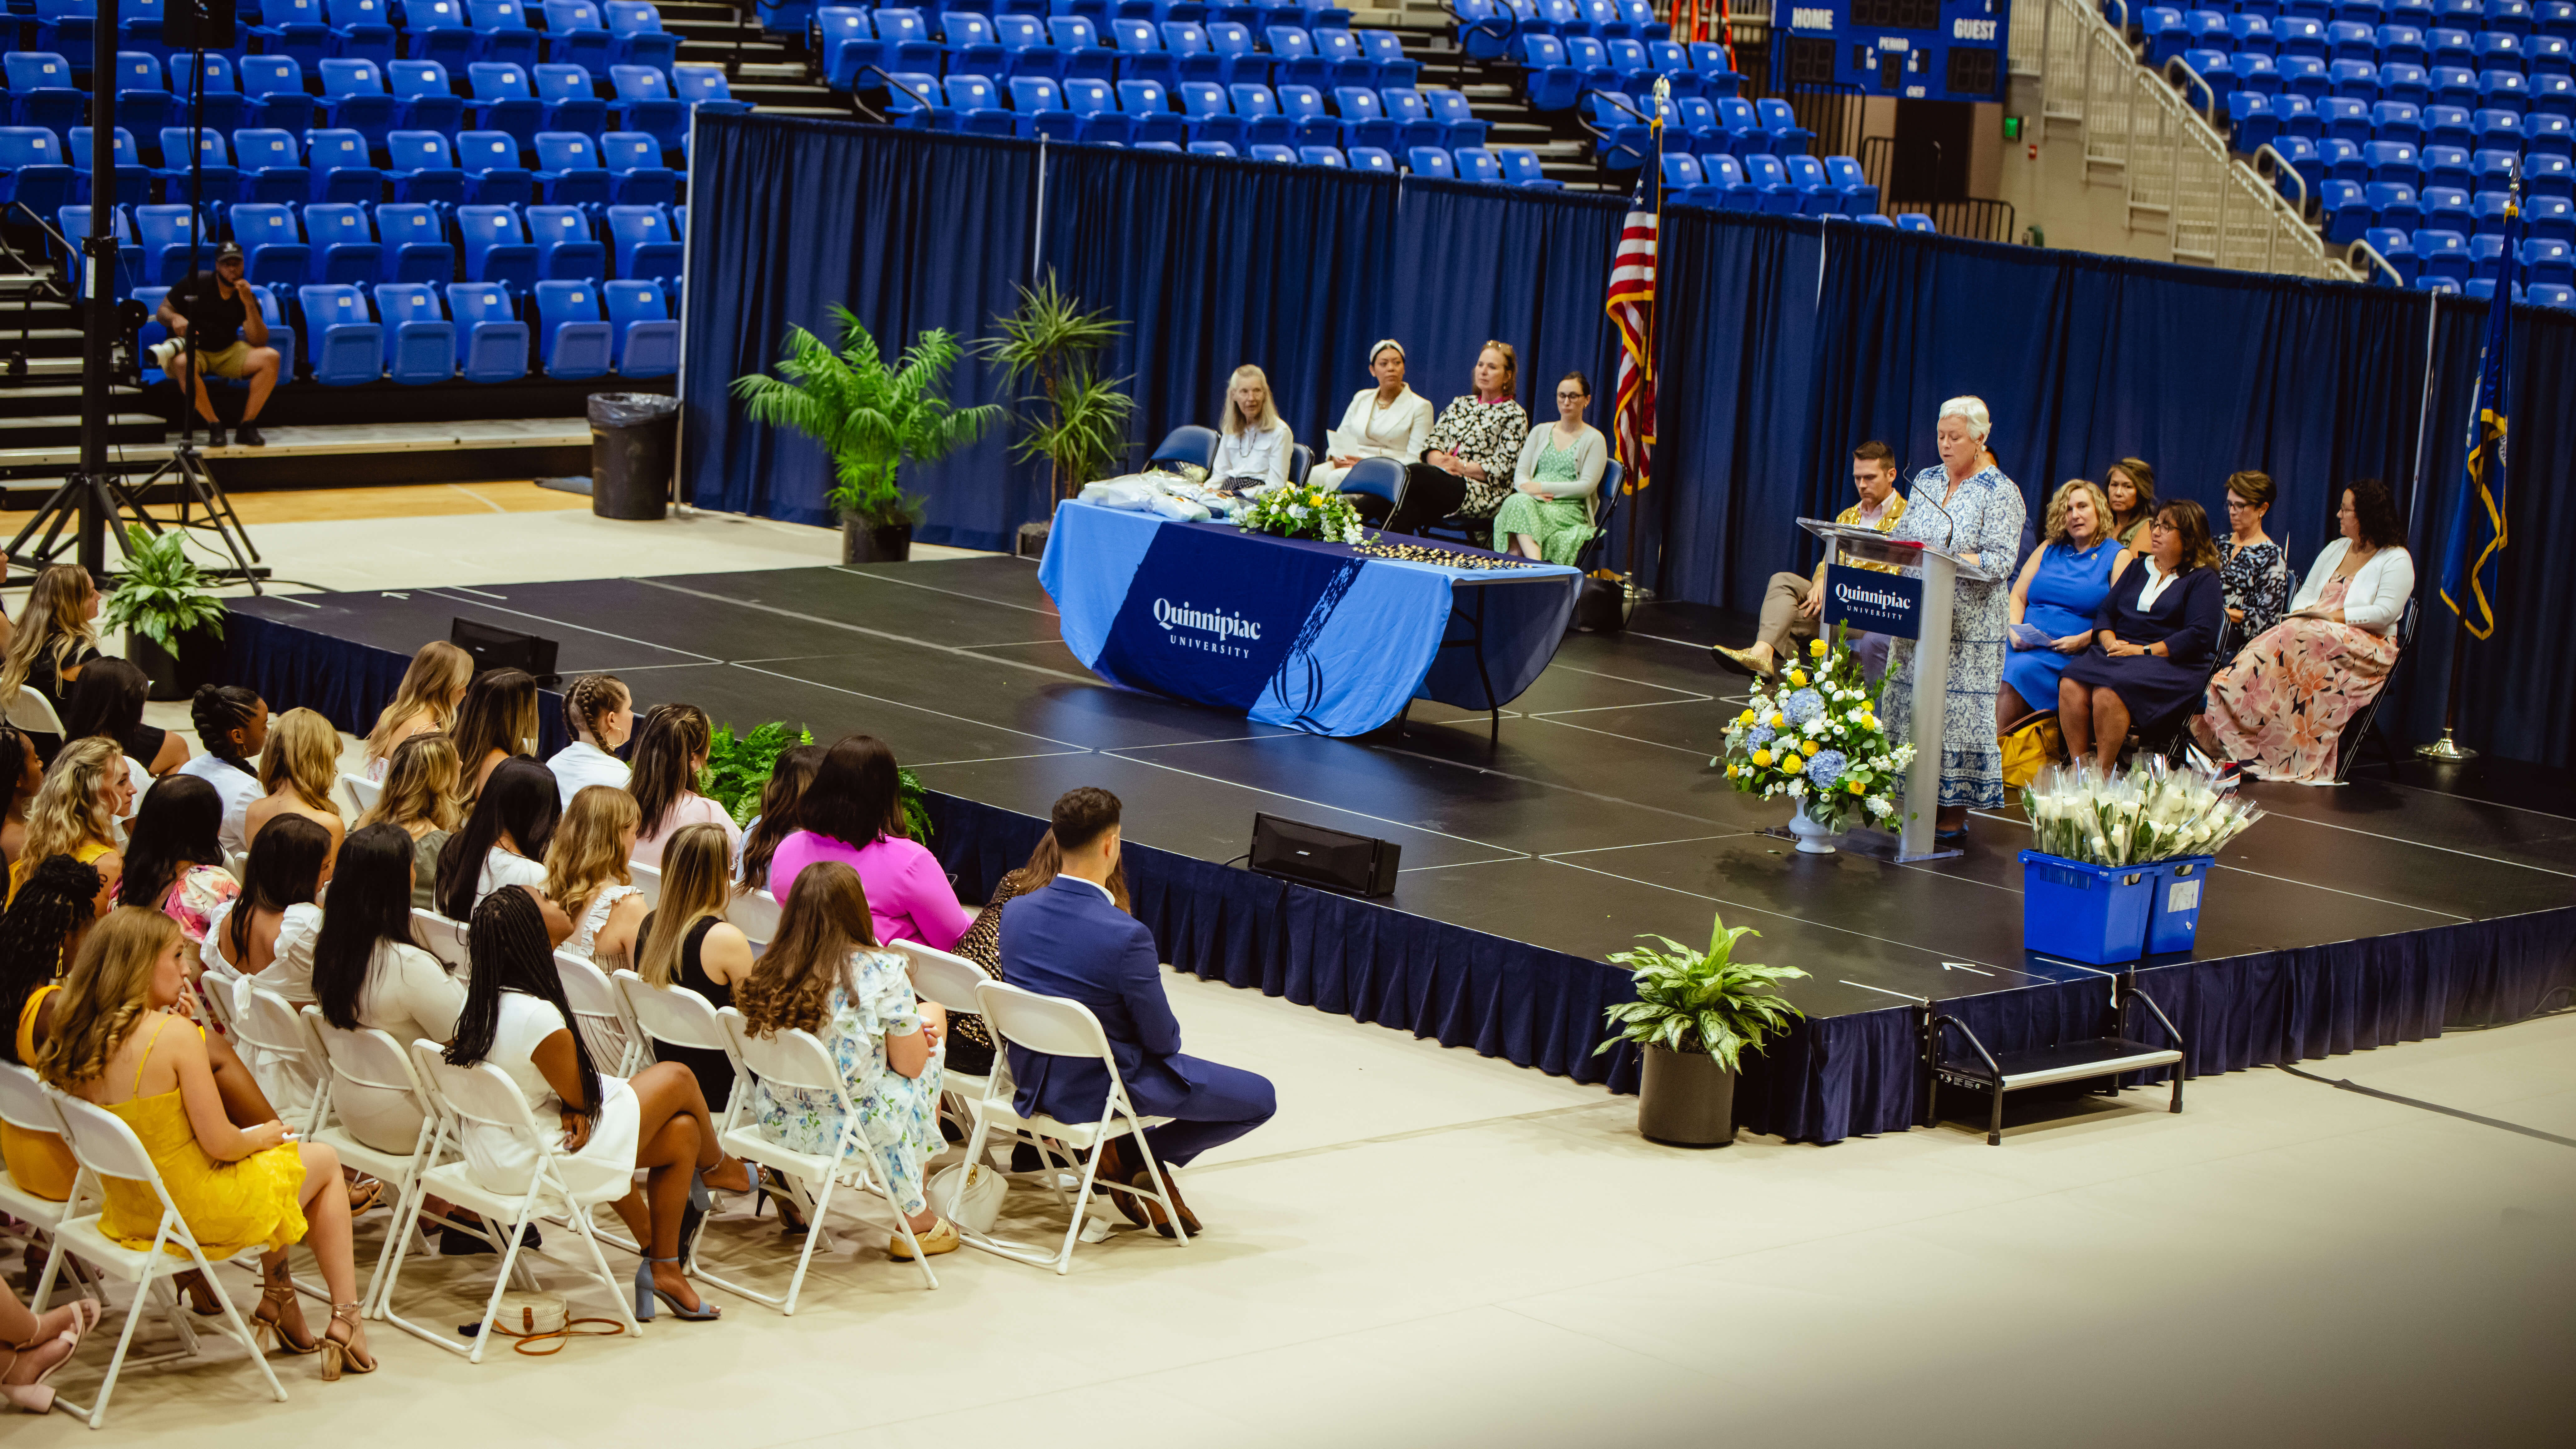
x,y
2153,640
1068,938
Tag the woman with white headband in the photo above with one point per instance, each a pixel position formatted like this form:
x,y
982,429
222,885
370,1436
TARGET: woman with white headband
x,y
1966,507
1389,420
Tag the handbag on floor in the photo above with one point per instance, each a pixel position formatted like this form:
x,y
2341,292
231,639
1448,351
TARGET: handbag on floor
x,y
2033,744
967,1194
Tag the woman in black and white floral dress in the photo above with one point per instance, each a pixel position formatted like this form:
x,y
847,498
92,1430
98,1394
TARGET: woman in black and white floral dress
x,y
1467,461
2253,569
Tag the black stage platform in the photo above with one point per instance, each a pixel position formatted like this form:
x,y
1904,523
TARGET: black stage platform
x,y
1596,819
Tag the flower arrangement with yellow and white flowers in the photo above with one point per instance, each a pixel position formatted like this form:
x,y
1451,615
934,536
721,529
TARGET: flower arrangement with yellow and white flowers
x,y
1813,736
2149,813
1294,510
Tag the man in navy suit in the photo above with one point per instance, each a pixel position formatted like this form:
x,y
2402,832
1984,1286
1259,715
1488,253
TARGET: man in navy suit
x,y
1070,939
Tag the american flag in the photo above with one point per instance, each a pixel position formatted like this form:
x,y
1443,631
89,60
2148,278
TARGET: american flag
x,y
1631,305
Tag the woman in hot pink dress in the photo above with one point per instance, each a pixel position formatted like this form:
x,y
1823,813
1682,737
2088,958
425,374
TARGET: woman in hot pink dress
x,y
2280,709
853,813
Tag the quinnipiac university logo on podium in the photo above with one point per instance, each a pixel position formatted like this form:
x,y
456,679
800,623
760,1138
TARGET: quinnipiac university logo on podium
x,y
1890,604
1212,631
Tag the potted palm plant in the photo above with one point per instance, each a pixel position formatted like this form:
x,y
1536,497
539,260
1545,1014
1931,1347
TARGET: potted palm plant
x,y
1695,1014
872,417
1076,420
174,629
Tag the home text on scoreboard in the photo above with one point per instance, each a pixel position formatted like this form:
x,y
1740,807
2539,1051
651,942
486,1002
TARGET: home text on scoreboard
x,y
1920,50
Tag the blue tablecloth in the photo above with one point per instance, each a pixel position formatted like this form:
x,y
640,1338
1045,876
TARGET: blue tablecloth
x,y
1294,632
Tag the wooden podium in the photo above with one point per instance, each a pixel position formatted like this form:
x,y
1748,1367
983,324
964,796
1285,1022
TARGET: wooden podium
x,y
1911,603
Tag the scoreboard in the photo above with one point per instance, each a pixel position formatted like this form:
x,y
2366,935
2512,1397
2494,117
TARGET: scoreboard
x,y
1920,50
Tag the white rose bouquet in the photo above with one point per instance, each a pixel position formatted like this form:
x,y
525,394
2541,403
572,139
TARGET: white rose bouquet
x,y
1293,510
2149,813
1812,735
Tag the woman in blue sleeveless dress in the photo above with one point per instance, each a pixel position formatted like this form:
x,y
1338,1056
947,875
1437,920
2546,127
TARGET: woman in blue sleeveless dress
x,y
2061,587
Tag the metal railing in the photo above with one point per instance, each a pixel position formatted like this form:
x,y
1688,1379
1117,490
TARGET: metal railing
x,y
1980,218
2173,164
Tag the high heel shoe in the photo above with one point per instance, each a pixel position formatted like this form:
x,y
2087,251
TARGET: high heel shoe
x,y
791,1213
340,1354
646,1293
268,1321
694,1216
34,1395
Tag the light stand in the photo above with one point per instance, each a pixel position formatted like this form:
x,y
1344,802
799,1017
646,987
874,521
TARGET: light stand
x,y
91,497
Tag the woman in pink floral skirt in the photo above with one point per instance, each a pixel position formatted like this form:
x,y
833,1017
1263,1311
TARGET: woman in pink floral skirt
x,y
2280,709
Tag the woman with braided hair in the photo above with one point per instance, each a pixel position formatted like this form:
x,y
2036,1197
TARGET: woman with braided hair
x,y
113,1044
40,932
232,725
517,1019
18,750
599,714
669,752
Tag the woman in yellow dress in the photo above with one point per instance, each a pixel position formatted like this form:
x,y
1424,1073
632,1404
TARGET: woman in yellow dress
x,y
41,929
86,791
114,1041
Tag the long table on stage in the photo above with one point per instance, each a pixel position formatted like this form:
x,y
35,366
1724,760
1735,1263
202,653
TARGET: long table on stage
x,y
1291,631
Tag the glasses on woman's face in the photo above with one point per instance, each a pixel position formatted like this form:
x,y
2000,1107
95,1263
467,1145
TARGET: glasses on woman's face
x,y
1573,397
2238,505
2160,526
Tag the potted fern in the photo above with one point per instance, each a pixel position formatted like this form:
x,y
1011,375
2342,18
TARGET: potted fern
x,y
872,417
1076,420
739,767
174,629
1695,1015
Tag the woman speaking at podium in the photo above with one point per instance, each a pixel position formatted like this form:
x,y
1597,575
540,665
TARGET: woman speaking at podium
x,y
1966,508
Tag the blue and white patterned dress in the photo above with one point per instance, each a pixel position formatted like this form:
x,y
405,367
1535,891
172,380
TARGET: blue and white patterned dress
x,y
1984,519
898,1115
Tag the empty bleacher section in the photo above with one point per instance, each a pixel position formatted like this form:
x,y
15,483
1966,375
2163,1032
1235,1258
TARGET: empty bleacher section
x,y
451,209
2392,128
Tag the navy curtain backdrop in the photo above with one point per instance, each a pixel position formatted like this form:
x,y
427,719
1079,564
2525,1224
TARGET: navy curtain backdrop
x,y
1783,343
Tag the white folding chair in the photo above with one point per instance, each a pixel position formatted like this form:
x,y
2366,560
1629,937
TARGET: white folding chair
x,y
616,1042
363,793
1062,1028
484,1096
369,1067
442,938
282,1056
950,981
680,1017
647,879
32,711
755,914
797,1061
237,862
106,1148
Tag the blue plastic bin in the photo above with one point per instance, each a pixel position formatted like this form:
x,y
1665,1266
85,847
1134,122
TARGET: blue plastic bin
x,y
2175,918
2096,914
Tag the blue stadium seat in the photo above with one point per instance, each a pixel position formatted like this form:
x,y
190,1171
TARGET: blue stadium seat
x,y
272,92
1283,155
2550,216
361,30
2548,135
143,102
1215,148
212,168
905,37
1458,123
1294,60
648,246
491,343
1209,117
645,103
41,92
1330,157
502,34
1475,163
169,234
2345,209
636,37
497,248
569,171
2299,35
1038,109
493,175
273,249
573,339
73,222
2448,126
1851,186
344,244
1140,53
703,88
297,30
1024,39
1304,108
132,179
575,35
636,174
1095,112
569,100
2446,208
223,105
1431,162
567,250
424,99
1341,53
1685,184
2549,261
1241,60
1483,30
647,340
1411,113
1372,159
1084,56
439,31
2497,130
1788,138
2443,254
1521,167
974,107
504,100
420,343
1194,58
1589,61
1364,118
2448,166
2397,121
971,46
2394,204
1258,110
2397,248
343,343
1385,53
341,167
2546,173
1145,103
414,239
354,98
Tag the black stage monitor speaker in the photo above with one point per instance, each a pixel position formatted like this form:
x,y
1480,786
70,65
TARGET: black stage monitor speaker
x,y
197,25
1312,855
495,648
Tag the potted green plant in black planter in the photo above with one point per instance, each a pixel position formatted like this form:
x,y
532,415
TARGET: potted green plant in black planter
x,y
872,418
174,629
1695,1014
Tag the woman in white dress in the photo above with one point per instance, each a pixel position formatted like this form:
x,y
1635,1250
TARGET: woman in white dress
x,y
266,933
503,843
517,1019
1389,421
599,715
1254,448
369,972
587,876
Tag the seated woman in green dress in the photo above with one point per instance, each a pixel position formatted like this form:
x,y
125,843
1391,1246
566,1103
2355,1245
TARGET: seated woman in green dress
x,y
1549,515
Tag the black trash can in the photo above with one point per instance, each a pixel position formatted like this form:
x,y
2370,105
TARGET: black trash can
x,y
634,444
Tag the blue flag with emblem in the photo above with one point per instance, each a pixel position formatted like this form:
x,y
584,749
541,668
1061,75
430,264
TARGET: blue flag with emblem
x,y
2469,564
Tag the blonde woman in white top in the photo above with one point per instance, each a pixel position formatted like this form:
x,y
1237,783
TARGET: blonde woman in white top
x,y
1389,420
1557,481
1253,443
2280,708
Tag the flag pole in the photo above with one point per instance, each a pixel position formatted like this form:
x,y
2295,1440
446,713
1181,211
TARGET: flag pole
x,y
2446,750
1655,128
2495,364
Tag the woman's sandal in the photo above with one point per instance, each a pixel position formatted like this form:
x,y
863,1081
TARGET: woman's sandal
x,y
791,1214
268,1321
343,1353
646,1291
37,1362
364,1193
201,1294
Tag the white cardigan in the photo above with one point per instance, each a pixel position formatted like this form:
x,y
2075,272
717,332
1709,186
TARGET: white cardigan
x,y
2376,597
1254,454
1399,431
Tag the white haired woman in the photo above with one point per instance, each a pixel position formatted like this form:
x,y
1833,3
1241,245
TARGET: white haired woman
x,y
1966,507
1389,421
1253,447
